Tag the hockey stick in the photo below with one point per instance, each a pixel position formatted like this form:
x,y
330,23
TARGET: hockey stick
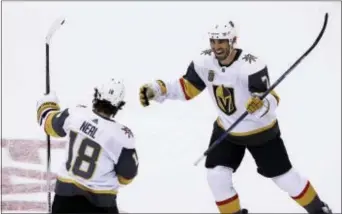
x,y
54,27
281,78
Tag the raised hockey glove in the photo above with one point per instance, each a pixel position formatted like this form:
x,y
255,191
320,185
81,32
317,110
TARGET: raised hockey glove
x,y
255,104
153,91
146,93
47,103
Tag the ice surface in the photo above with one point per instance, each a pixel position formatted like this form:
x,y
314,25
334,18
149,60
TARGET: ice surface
x,y
142,41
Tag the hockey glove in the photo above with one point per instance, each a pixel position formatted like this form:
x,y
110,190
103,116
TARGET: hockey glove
x,y
146,93
255,104
47,103
153,91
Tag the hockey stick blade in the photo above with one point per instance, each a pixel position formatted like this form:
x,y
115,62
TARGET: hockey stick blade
x,y
54,27
279,80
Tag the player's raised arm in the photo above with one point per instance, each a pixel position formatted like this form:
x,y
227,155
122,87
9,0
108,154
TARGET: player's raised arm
x,y
184,88
50,117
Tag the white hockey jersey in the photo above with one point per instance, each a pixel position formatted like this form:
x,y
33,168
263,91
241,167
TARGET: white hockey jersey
x,y
230,87
100,154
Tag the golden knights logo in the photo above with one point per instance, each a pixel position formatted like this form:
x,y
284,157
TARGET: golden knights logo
x,y
249,58
225,99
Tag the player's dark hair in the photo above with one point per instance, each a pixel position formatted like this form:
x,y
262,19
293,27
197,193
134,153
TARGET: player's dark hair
x,y
105,106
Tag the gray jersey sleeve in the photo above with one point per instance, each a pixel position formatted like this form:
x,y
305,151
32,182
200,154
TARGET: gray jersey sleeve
x,y
54,123
127,165
123,152
258,82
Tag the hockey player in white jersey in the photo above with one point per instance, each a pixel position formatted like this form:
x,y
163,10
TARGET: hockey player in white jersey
x,y
100,156
234,79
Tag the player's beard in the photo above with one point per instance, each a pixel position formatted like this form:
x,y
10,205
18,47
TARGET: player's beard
x,y
224,55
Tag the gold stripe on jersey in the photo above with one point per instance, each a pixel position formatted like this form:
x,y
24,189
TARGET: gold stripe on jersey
x,y
162,87
189,90
123,180
230,205
252,132
48,128
306,196
81,186
275,96
45,106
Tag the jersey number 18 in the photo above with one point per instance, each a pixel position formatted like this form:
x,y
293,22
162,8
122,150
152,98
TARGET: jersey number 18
x,y
88,152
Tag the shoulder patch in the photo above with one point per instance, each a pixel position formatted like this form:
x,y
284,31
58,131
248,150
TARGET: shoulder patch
x,y
249,58
207,52
127,131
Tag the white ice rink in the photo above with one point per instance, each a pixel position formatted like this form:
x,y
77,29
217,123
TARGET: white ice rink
x,y
143,41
